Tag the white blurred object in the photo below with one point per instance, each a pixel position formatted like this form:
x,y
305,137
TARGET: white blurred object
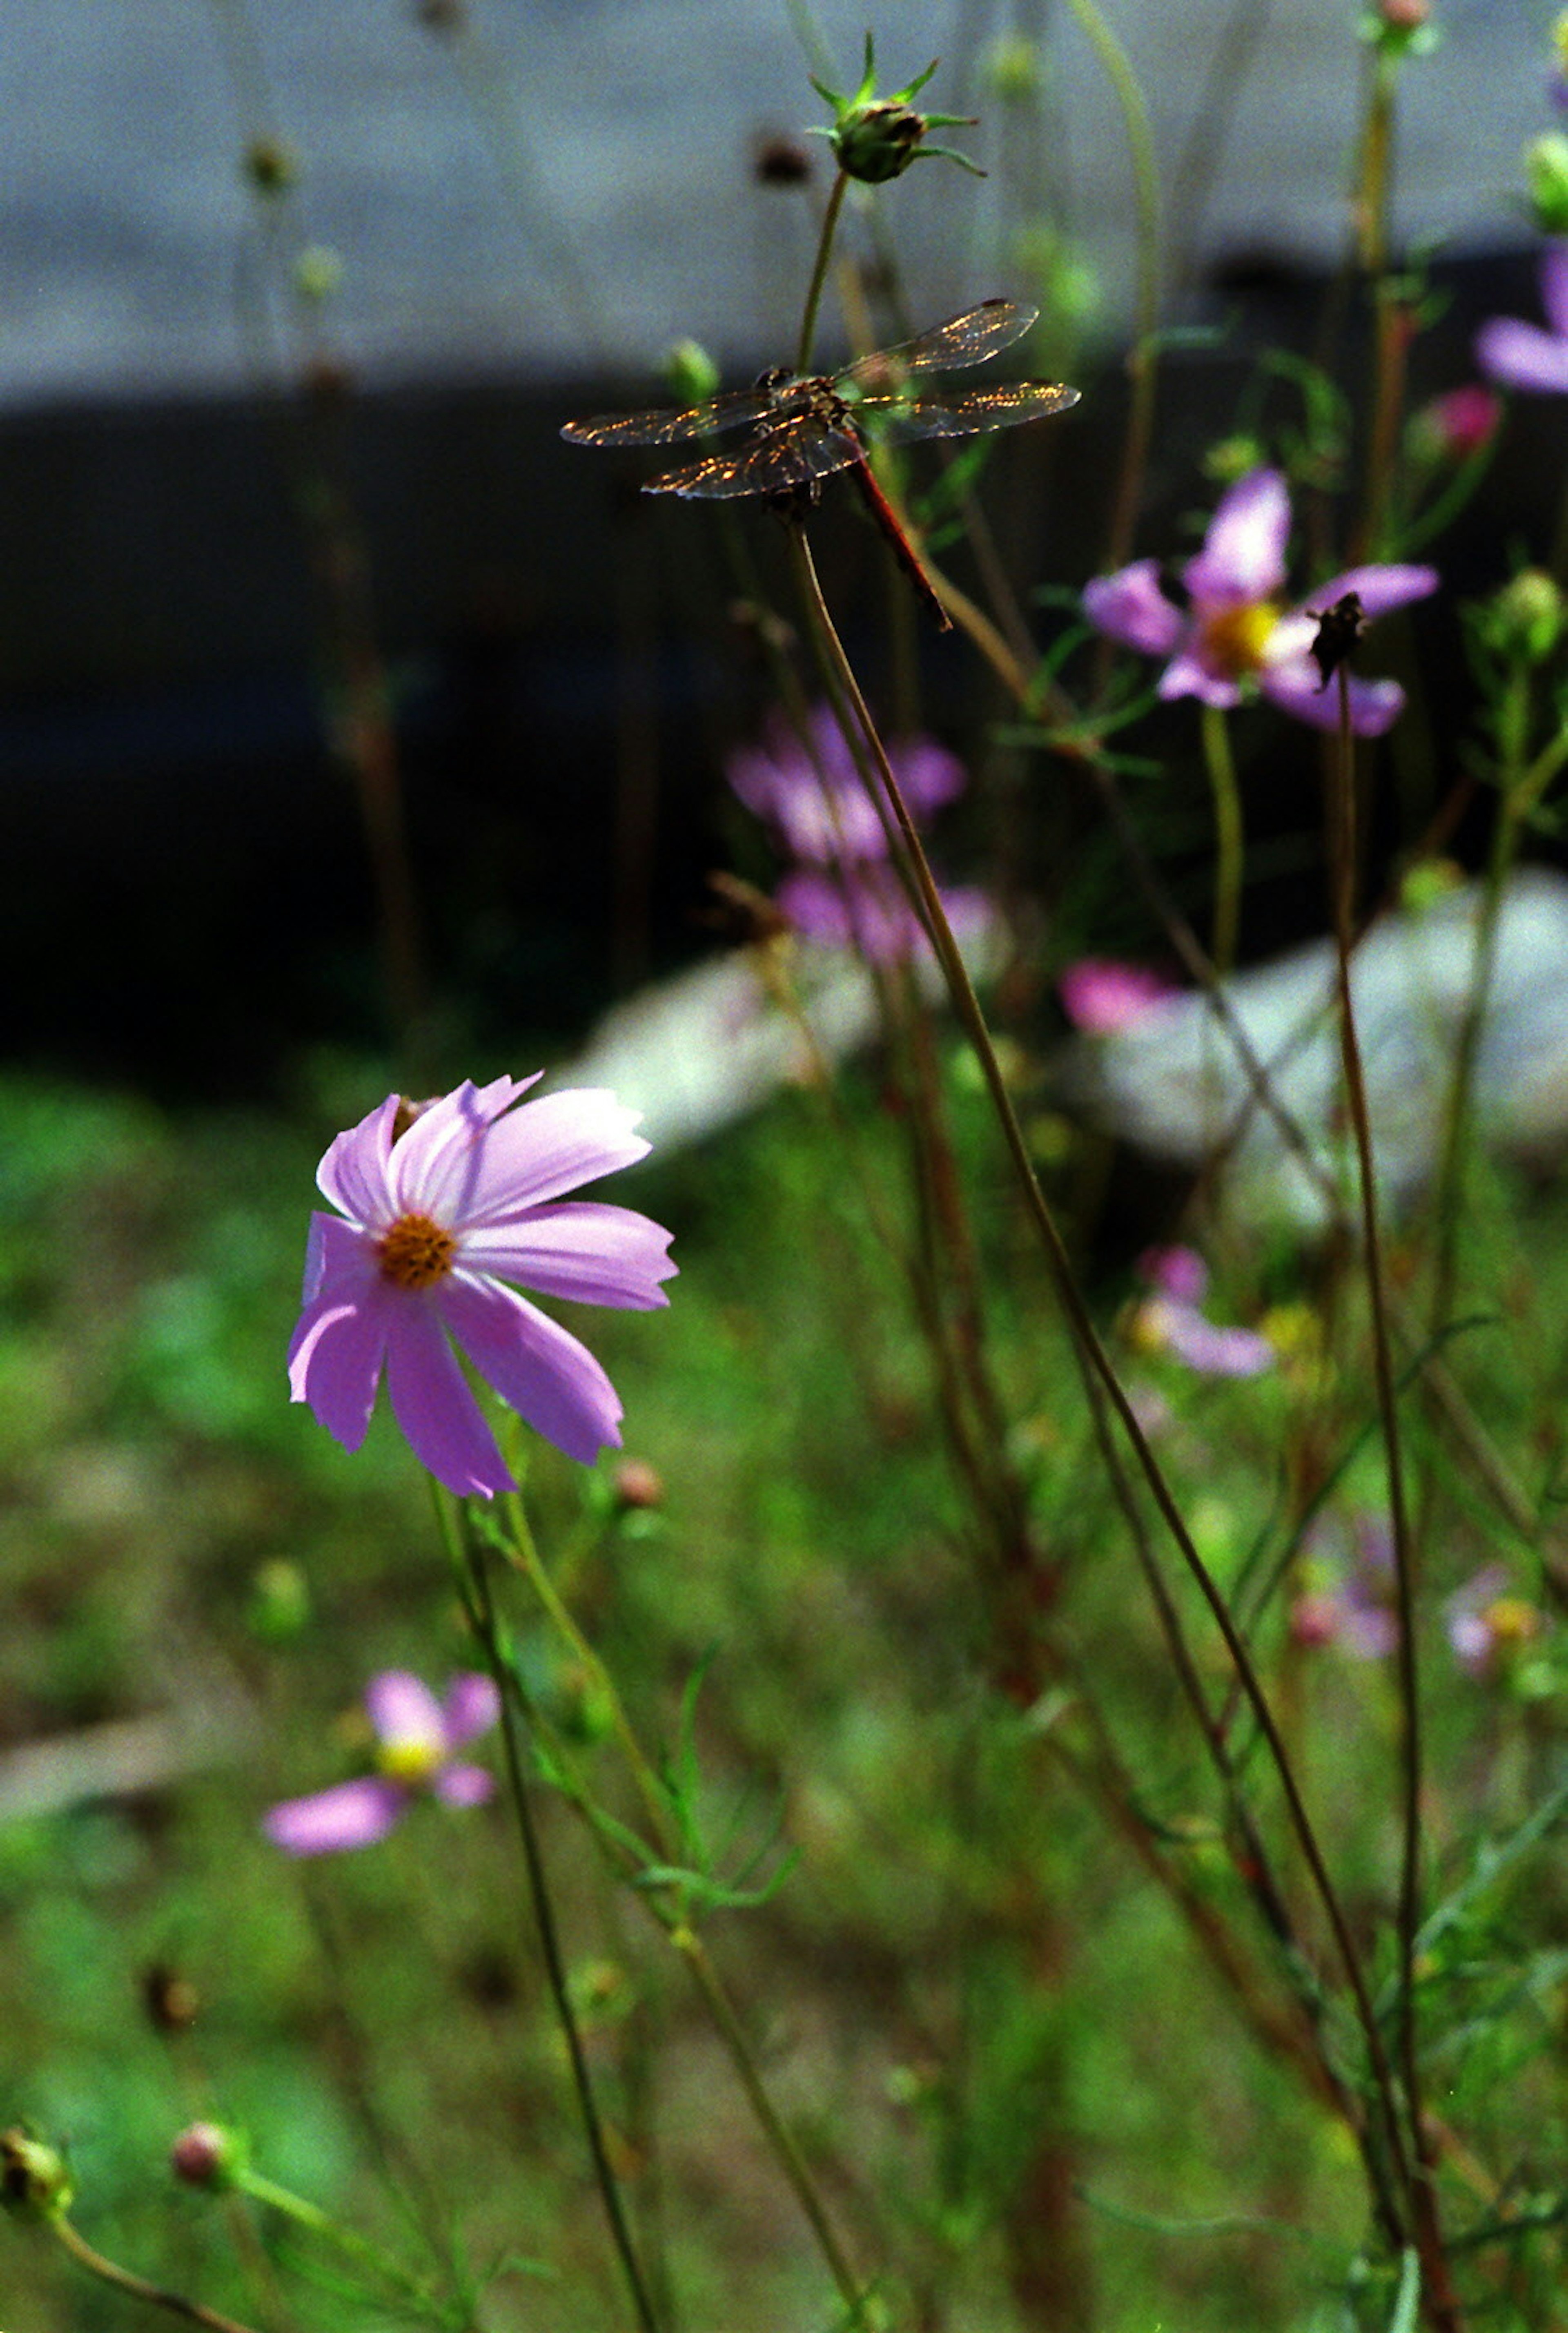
x,y
698,1051
1173,1081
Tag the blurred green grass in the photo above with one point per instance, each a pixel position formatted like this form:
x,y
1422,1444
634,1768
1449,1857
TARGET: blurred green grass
x,y
964,1986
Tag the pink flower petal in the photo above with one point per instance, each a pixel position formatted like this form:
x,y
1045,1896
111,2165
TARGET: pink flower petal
x,y
1522,356
1379,590
403,1709
929,776
1101,996
536,1366
579,1249
1178,1271
1130,607
431,1401
462,1786
1212,1351
1297,689
336,1353
472,1706
1554,286
352,1814
550,1147
438,1164
1188,674
353,1173
1243,554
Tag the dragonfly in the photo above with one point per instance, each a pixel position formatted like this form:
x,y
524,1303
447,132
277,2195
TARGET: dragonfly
x,y
803,428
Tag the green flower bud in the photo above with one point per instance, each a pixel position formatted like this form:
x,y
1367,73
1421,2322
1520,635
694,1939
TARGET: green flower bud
x,y
875,139
691,374
1525,621
278,1609
318,272
33,2180
1546,175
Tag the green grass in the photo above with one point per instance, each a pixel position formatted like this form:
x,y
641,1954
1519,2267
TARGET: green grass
x,y
1031,2101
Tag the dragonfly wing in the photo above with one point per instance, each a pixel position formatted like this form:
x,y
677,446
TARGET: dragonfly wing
x,y
665,428
969,338
899,423
773,465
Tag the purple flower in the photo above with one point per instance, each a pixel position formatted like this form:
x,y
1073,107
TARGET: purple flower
x,y
439,1207
844,892
1233,628
416,1738
1169,1320
1523,355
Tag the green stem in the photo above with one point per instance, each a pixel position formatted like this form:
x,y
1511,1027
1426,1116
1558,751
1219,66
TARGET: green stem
x,y
1436,2294
355,2247
480,1610
819,273
1228,838
157,2296
1091,1346
784,2146
1141,361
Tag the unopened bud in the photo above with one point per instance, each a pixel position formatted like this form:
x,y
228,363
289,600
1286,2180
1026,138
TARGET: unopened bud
x,y
691,372
33,2180
205,2154
638,1485
169,1999
270,168
1525,621
1546,175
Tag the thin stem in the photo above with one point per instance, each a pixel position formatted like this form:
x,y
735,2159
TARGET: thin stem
x,y
481,1618
1438,2299
784,2147
819,273
1092,1347
1228,838
1141,359
157,2296
306,2215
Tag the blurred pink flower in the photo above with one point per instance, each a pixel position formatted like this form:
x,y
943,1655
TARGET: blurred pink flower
x,y
1233,628
415,1739
1101,996
1170,1319
1522,355
1348,1599
844,891
438,1211
1450,427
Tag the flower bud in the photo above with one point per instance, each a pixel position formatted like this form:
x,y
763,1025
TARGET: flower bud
x,y
278,1609
1525,620
270,168
205,2154
1451,427
1013,69
779,162
875,138
1546,175
638,1485
170,2000
33,2180
691,372
1400,27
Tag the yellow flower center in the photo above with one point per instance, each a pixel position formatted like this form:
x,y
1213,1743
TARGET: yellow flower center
x,y
1511,1620
408,1761
415,1252
1237,638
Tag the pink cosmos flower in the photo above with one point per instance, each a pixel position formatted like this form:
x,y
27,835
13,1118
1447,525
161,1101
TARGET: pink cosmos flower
x,y
844,893
1523,355
1100,995
1234,629
1171,1319
415,1739
1456,424
438,1207
1487,1623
